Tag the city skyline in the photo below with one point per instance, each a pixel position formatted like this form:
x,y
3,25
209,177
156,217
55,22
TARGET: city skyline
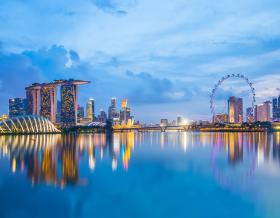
x,y
42,99
158,64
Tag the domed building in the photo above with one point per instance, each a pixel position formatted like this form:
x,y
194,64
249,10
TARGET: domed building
x,y
28,124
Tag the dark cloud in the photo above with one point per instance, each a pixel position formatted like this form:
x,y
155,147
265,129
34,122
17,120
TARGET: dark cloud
x,y
147,89
51,61
20,70
74,56
57,62
16,72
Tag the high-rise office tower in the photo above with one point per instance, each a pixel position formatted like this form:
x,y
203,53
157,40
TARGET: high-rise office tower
x,y
124,103
33,98
68,105
17,107
81,113
48,101
125,113
235,109
262,112
102,117
113,102
179,120
90,109
112,110
69,94
276,109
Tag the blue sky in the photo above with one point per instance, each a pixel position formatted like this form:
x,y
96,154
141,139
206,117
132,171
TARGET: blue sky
x,y
164,56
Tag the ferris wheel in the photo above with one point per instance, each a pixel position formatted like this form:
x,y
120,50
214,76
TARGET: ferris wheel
x,y
221,81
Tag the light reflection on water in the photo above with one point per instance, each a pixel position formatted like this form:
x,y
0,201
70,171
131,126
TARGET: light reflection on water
x,y
233,162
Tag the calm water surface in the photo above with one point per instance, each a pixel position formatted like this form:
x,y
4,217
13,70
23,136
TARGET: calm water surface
x,y
132,175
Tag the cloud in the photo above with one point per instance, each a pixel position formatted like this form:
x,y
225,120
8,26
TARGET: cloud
x,y
147,89
116,7
18,70
51,61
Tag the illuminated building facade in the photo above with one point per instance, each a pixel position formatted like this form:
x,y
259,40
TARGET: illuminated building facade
x,y
102,117
262,112
69,99
17,107
42,100
81,113
223,118
68,105
276,109
27,124
48,101
235,109
180,121
33,99
90,109
125,114
113,115
4,117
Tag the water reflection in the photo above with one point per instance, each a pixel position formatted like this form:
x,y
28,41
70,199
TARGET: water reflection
x,y
56,159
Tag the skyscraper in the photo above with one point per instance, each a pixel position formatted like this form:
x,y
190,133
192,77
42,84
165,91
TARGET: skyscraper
x,y
48,98
90,109
113,115
262,112
42,100
33,99
276,109
69,105
17,107
235,109
113,102
69,94
125,113
81,113
102,117
179,120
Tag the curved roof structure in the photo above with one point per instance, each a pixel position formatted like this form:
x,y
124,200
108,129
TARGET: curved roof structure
x,y
97,124
27,124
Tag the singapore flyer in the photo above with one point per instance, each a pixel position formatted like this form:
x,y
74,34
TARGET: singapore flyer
x,y
221,82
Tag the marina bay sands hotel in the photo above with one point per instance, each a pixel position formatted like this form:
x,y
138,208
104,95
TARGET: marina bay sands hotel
x,y
41,100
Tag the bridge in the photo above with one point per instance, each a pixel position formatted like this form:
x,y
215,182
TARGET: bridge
x,y
140,128
98,127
